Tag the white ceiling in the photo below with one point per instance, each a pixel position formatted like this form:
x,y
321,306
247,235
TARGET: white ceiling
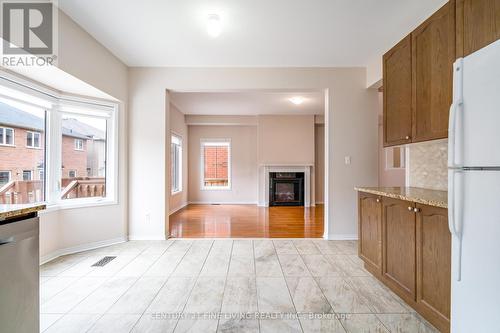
x,y
248,102
255,33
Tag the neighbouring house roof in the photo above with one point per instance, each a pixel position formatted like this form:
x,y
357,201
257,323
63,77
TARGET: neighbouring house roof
x,y
71,125
10,116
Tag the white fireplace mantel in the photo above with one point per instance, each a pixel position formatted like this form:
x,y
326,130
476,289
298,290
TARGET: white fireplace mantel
x,y
264,171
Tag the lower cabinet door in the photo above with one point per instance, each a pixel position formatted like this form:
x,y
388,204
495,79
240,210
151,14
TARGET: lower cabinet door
x,y
370,231
399,247
434,265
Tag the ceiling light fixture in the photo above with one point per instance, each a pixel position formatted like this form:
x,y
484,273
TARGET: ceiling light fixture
x,y
214,25
297,100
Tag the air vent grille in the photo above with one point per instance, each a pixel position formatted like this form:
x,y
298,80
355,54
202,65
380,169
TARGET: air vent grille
x,y
104,261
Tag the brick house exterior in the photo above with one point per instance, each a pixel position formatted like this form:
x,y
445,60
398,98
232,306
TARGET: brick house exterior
x,y
18,158
73,160
216,165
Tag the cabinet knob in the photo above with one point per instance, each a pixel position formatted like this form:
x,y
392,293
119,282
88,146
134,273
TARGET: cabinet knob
x,y
407,137
416,210
378,200
410,208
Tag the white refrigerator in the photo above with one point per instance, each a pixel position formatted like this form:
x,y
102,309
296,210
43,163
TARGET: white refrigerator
x,y
474,192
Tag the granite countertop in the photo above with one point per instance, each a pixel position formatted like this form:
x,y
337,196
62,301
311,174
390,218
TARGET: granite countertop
x,y
8,211
414,194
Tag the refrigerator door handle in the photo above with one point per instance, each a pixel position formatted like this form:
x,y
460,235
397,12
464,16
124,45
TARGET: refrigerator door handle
x,y
452,220
457,103
451,136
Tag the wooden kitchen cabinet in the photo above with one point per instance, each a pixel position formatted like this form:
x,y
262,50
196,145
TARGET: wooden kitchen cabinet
x,y
370,231
397,94
398,247
478,24
407,246
433,246
433,54
418,81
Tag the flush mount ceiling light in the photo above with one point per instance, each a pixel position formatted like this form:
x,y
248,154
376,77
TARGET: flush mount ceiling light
x,y
297,100
214,25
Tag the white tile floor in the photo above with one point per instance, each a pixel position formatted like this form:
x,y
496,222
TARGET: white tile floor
x,y
220,285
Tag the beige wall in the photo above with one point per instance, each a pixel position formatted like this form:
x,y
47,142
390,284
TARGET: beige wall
x,y
74,229
386,177
178,127
222,120
286,140
351,131
243,164
319,164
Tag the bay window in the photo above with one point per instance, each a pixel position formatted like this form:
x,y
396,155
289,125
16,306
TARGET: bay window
x,y
70,152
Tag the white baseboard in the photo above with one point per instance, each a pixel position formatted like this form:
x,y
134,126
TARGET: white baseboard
x,y
178,208
146,237
341,237
80,248
221,203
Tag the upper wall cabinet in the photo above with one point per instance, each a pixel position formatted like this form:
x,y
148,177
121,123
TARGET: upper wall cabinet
x,y
433,54
478,24
397,94
418,80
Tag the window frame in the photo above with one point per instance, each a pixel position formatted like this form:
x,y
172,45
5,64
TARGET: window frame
x,y
179,163
222,142
61,103
77,144
13,144
33,140
10,176
31,175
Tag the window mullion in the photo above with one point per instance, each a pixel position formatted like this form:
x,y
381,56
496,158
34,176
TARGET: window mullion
x,y
53,160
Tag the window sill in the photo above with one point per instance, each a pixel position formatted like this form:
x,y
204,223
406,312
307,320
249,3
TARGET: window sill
x,y
176,192
78,204
216,188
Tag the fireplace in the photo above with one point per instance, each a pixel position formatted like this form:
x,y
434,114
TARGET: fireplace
x,y
286,189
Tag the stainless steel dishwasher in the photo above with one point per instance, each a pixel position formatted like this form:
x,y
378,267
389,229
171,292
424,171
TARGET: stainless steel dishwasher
x,y
19,275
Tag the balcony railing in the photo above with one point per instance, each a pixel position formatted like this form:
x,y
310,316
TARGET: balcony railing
x,y
21,192
216,182
83,187
30,191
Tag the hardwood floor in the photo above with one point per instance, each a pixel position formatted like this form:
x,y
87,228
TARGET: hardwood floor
x,y
210,221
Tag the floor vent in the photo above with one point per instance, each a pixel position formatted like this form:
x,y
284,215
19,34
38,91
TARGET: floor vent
x,y
104,261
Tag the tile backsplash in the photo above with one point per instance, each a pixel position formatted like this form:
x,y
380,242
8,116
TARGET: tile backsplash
x,y
427,165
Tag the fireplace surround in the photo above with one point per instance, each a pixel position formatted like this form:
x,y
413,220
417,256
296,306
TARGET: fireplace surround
x,y
265,171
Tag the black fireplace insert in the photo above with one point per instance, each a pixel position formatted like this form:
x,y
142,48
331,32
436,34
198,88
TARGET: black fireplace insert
x,y
286,189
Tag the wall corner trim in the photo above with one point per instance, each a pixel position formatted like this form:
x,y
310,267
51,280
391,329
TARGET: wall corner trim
x,y
341,237
146,237
80,248
175,210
